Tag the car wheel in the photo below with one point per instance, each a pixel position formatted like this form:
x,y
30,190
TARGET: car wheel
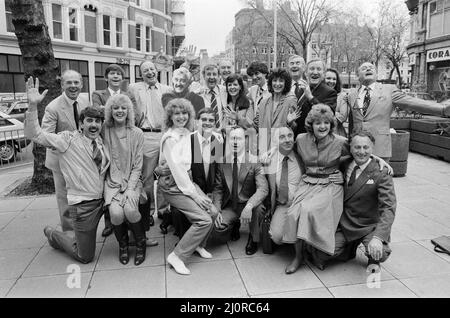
x,y
7,152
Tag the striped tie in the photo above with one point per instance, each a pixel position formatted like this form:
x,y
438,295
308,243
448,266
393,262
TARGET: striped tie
x,y
366,102
260,94
214,106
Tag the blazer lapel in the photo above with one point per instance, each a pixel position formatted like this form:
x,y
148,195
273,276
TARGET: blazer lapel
x,y
68,109
278,110
360,182
244,168
375,96
228,172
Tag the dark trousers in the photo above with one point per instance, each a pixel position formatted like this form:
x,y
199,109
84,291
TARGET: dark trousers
x,y
86,216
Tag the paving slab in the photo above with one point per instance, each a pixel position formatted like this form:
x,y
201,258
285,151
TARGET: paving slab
x,y
429,286
388,289
5,286
207,279
349,273
6,218
43,202
50,262
128,282
432,208
14,262
430,246
410,259
50,287
14,205
263,275
308,293
109,258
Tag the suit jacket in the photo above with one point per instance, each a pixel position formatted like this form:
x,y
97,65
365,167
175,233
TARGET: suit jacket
x,y
253,96
272,181
369,205
100,97
138,95
383,99
59,117
252,184
221,98
197,166
322,94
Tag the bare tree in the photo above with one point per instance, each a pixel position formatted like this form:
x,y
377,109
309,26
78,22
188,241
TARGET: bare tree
x,y
38,61
299,19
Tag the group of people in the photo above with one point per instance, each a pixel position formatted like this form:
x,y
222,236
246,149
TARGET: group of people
x,y
210,158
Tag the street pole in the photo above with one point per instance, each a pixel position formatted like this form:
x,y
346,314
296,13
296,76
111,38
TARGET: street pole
x,y
275,33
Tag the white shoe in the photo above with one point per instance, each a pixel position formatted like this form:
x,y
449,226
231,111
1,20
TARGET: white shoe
x,y
203,253
177,264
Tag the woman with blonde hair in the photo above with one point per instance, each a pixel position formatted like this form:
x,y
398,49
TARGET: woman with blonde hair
x,y
178,188
123,185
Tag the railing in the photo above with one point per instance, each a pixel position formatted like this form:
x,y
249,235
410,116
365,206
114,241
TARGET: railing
x,y
15,148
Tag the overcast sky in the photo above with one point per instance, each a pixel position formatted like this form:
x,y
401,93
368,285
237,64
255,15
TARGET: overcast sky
x,y
209,21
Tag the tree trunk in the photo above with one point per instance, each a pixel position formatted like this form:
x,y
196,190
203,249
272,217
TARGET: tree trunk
x,y
400,81
38,61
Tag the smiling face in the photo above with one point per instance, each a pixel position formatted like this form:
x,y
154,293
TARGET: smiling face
x,y
278,85
119,114
259,79
149,72
211,77
361,149
321,128
331,79
296,67
285,140
179,82
91,127
314,72
114,78
367,74
180,118
72,84
237,140
207,123
233,88
225,69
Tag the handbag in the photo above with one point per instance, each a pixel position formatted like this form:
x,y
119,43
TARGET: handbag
x,y
442,244
266,240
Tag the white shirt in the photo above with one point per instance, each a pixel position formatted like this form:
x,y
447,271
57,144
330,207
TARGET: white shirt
x,y
358,172
154,109
362,94
112,93
205,148
294,174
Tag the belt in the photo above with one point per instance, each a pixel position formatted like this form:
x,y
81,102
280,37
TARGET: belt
x,y
151,130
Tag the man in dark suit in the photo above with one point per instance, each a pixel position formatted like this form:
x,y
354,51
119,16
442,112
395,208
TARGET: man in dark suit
x,y
372,104
312,92
240,189
369,207
205,149
113,76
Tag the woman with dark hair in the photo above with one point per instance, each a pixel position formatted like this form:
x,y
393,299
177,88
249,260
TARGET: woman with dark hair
x,y
276,110
123,185
239,111
179,189
333,80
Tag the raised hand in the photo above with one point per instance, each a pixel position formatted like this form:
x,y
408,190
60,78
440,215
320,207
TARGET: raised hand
x,y
293,114
34,97
190,53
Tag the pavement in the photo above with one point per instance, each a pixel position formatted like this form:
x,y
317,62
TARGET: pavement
x,y
29,267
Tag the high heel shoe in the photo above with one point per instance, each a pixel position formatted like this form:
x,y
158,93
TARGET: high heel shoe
x,y
177,264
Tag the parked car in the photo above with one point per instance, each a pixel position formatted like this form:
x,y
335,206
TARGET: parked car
x,y
15,109
421,95
12,138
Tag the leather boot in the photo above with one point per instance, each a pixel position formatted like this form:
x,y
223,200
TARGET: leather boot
x,y
121,233
251,246
235,231
166,221
144,210
141,242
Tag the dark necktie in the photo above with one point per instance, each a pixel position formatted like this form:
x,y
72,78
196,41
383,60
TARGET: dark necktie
x,y
353,176
234,188
298,92
75,113
366,102
214,106
97,155
261,91
283,192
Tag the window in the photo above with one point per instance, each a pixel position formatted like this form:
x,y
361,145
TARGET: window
x,y
106,30
344,70
283,64
282,50
73,24
138,3
424,15
79,66
147,39
271,49
254,51
138,37
90,27
119,32
57,21
264,50
8,12
100,69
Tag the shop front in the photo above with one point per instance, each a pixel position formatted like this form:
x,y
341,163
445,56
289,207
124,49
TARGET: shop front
x,y
438,61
